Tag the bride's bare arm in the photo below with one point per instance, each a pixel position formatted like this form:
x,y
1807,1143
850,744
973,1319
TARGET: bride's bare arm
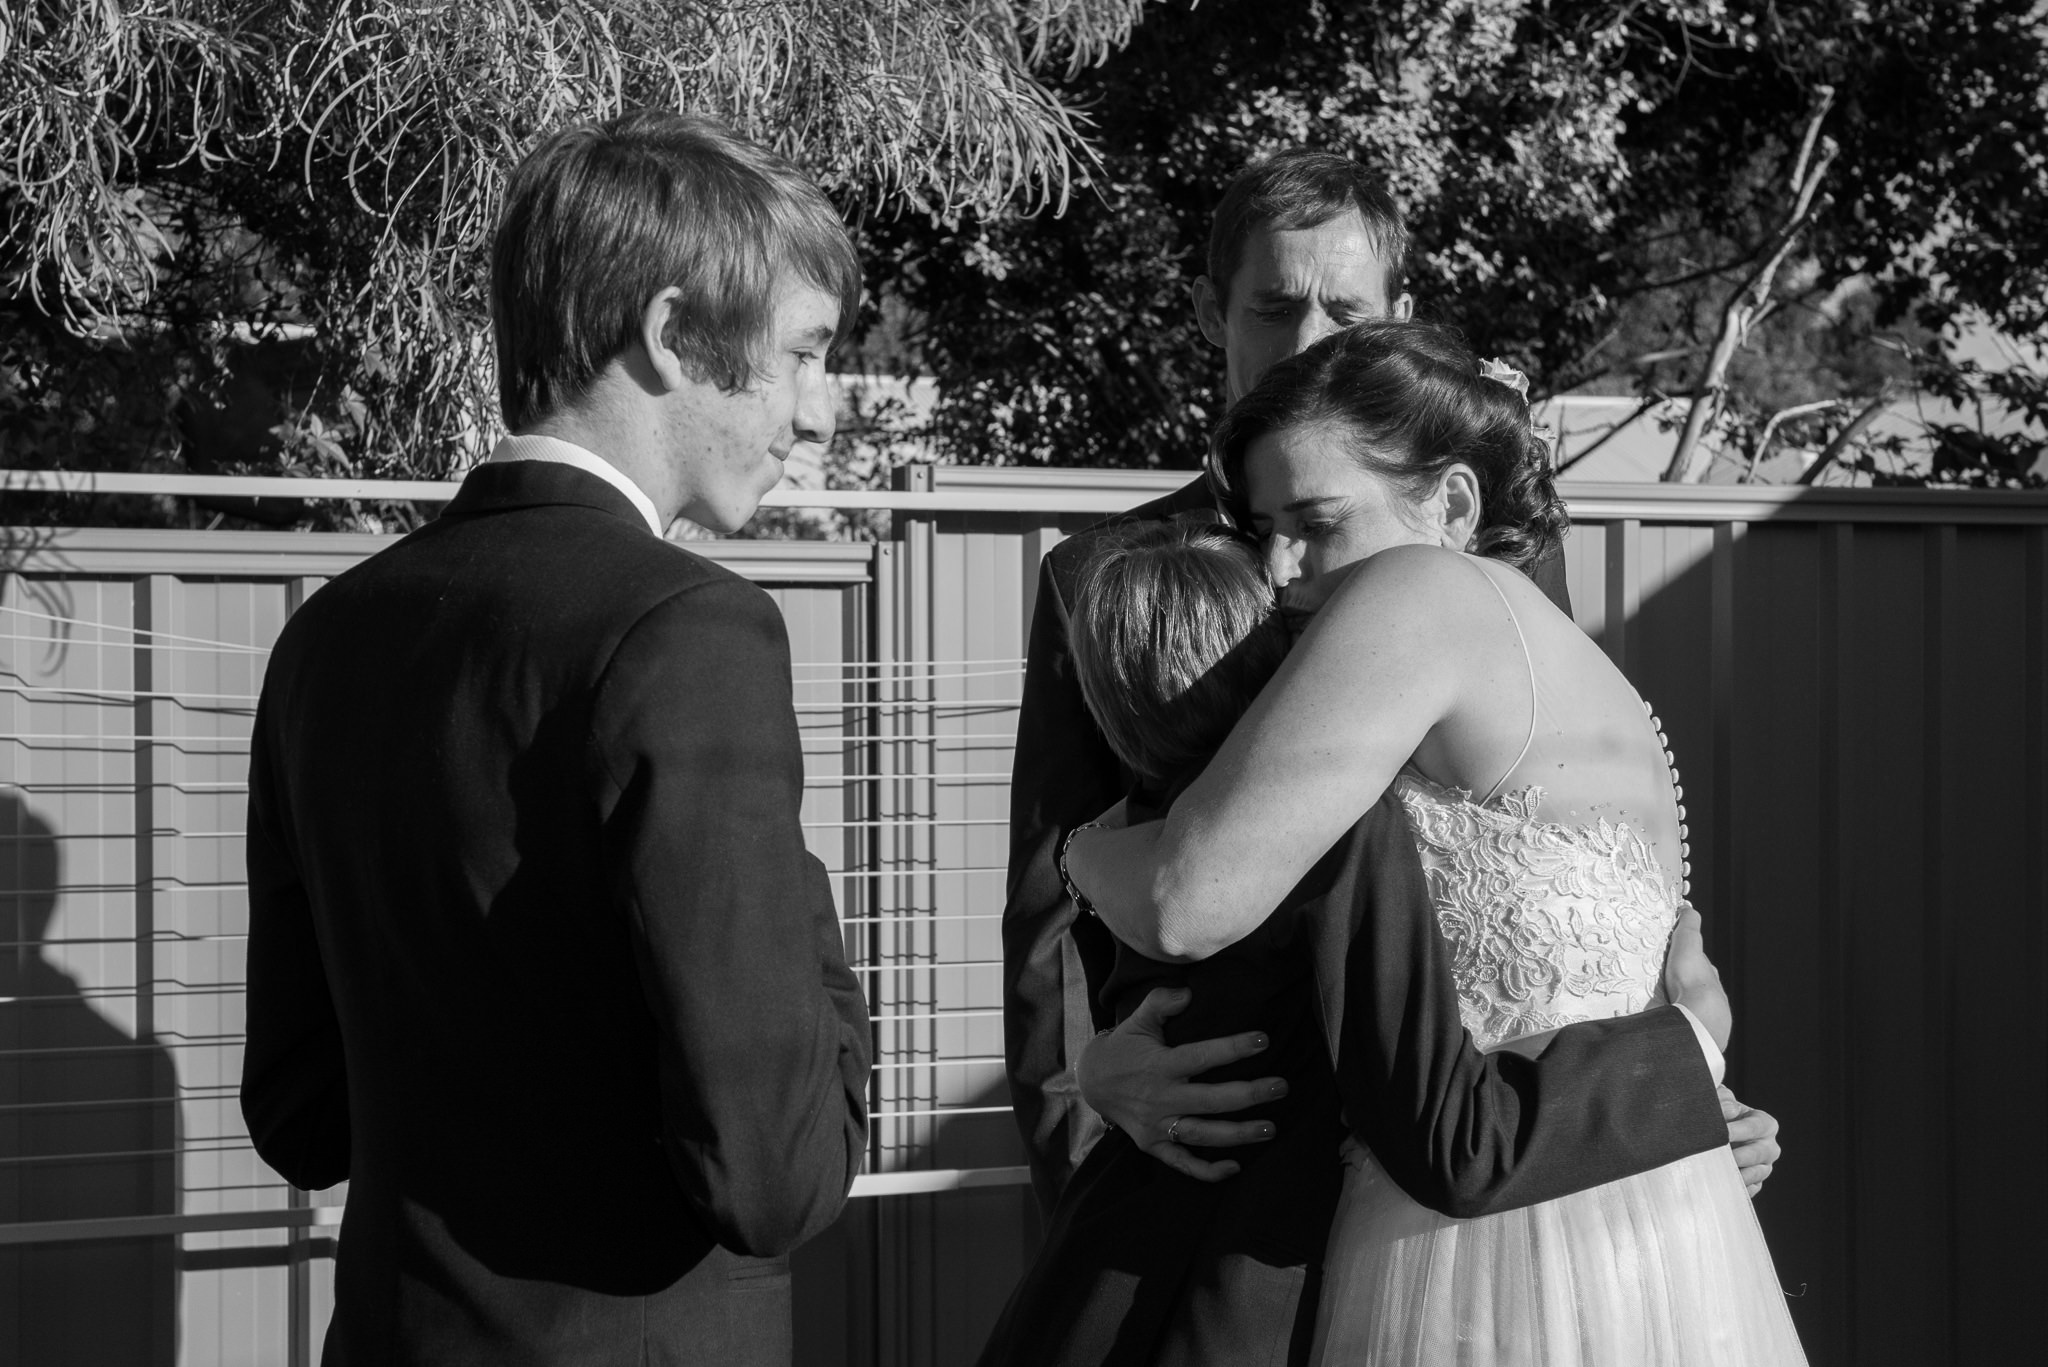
x,y
1379,668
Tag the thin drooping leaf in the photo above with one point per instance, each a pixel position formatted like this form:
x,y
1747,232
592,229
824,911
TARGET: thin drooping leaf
x,y
367,143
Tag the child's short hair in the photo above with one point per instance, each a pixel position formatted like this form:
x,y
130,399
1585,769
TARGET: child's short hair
x,y
1173,634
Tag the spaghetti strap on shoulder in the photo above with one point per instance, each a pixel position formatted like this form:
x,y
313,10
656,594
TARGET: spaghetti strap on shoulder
x,y
1527,663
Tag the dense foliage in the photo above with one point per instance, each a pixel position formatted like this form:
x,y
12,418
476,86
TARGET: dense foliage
x,y
245,234
249,232
1590,181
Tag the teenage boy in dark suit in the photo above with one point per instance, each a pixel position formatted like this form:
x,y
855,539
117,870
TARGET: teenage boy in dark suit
x,y
538,960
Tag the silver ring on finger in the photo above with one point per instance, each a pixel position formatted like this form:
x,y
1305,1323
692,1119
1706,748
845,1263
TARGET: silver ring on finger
x,y
1171,1130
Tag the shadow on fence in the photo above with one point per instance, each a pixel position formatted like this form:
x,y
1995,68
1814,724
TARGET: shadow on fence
x,y
88,1131
1857,692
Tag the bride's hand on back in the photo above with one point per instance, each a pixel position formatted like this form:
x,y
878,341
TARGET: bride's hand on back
x,y
1753,1135
1139,1083
1692,981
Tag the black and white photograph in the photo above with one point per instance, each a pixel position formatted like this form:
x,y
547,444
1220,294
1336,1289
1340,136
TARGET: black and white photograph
x,y
1023,683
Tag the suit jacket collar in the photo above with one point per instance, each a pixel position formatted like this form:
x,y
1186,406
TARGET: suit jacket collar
x,y
502,486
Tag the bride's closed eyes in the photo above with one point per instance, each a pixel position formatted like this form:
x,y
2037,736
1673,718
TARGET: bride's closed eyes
x,y
1307,519
1308,529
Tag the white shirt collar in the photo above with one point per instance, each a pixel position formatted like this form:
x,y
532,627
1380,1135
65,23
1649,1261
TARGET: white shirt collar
x,y
533,446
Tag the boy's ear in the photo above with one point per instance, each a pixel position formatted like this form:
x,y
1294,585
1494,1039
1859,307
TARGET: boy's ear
x,y
668,368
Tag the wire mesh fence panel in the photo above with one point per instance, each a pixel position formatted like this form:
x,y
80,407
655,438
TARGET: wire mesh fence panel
x,y
126,706
112,1051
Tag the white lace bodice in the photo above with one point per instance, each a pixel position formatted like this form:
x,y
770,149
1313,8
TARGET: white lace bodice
x,y
1548,924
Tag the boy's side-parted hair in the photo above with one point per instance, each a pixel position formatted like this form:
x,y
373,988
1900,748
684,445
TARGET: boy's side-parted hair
x,y
602,217
1173,633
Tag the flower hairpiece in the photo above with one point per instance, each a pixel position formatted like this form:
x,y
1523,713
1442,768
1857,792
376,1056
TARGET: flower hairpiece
x,y
1501,372
1495,369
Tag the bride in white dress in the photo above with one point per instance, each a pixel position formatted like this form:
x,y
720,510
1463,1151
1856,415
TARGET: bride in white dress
x,y
1396,487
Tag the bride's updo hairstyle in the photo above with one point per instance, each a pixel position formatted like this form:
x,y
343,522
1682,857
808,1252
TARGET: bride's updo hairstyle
x,y
1412,402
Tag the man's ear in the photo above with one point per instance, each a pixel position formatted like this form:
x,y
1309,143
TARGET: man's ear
x,y
1208,309
662,359
1403,308
1457,507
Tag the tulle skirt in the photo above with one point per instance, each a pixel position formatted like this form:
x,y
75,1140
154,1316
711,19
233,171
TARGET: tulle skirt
x,y
1667,1269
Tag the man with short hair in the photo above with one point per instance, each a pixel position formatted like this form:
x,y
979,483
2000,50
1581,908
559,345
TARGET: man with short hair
x,y
1302,245
538,960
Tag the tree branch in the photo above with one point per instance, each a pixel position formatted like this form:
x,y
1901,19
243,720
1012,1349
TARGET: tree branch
x,y
1763,441
1749,303
1672,282
1609,435
1848,434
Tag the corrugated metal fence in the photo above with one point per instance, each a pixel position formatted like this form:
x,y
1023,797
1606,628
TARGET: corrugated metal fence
x,y
1856,683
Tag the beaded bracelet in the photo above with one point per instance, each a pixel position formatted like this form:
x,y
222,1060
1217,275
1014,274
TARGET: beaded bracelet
x,y
1067,879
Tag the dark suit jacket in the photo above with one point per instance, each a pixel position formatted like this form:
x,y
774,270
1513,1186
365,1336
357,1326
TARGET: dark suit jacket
x,y
1054,968
537,957
1142,1265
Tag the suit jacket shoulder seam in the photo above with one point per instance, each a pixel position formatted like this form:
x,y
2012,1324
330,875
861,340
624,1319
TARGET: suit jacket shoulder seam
x,y
725,580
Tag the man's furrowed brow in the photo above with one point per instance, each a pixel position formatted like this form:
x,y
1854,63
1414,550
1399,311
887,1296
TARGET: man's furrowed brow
x,y
1356,304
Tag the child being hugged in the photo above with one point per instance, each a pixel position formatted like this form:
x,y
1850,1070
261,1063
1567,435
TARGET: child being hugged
x,y
1174,633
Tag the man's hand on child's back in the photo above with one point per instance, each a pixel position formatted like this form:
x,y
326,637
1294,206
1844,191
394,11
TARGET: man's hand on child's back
x,y
1141,1084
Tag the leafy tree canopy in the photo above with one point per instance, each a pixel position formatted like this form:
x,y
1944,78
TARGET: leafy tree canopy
x,y
253,230
247,233
1589,182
